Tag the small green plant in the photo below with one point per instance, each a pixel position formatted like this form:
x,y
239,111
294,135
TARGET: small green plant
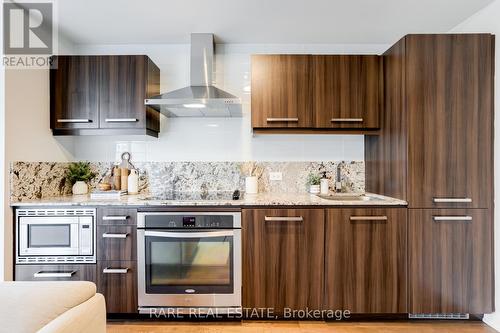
x,y
313,179
79,171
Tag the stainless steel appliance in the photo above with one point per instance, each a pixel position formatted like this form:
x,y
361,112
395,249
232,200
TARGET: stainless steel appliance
x,y
201,98
189,260
55,236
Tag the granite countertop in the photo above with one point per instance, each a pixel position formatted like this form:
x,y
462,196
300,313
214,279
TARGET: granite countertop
x,y
261,199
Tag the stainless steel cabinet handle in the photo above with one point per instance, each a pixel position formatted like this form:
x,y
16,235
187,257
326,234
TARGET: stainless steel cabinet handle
x,y
121,120
108,235
450,200
43,274
452,218
115,218
352,120
270,120
368,218
109,270
74,120
283,218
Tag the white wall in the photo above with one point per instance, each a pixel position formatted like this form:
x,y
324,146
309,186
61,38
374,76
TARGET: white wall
x,y
488,20
214,139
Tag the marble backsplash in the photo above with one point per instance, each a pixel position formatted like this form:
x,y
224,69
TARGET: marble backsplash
x,y
32,180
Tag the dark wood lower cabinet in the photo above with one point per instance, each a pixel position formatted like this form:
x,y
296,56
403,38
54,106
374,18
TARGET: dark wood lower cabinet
x,y
116,242
283,258
68,272
450,261
365,260
117,281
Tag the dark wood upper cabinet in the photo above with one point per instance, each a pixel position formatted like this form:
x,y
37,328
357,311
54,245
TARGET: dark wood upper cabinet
x,y
346,91
450,261
109,99
365,260
281,91
283,258
449,82
435,148
74,92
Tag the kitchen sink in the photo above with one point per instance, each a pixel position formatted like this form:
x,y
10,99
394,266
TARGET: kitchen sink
x,y
346,197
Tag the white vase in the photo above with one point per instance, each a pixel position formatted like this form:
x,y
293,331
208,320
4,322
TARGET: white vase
x,y
251,185
314,189
80,187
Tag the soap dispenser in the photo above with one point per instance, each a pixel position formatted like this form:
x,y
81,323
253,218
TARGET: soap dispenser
x,y
324,184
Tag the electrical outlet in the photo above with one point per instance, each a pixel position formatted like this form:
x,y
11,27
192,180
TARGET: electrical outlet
x,y
275,176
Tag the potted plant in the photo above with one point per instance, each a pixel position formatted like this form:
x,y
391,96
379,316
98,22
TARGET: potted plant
x,y
78,174
313,180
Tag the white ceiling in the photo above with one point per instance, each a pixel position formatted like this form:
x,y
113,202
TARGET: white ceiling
x,y
258,21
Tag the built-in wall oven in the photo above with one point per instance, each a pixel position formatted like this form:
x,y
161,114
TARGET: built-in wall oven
x,y
55,236
189,260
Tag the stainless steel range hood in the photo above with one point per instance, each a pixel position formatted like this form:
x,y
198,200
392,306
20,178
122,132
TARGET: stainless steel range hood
x,y
200,99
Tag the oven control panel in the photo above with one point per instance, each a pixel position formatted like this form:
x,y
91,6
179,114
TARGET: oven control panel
x,y
190,221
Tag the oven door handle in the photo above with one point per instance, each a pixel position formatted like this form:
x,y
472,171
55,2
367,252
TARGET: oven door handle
x,y
189,234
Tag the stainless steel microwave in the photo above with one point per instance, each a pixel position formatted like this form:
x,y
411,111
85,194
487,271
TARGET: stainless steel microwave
x,y
55,236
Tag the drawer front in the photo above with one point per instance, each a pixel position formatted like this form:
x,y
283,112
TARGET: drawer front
x,y
116,242
116,216
117,281
55,273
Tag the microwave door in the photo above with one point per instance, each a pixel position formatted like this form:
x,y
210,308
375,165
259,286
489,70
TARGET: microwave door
x,y
48,236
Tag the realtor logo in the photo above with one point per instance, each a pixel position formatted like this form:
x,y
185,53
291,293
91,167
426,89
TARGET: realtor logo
x,y
27,28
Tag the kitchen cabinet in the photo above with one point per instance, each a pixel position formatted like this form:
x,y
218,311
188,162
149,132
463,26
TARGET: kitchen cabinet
x,y
59,272
116,242
281,91
103,95
450,115
365,260
315,93
435,149
450,261
283,258
74,94
346,91
117,281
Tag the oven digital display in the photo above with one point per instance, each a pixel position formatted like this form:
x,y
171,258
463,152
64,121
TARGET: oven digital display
x,y
189,221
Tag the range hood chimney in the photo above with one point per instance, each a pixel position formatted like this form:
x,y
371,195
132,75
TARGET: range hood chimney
x,y
200,99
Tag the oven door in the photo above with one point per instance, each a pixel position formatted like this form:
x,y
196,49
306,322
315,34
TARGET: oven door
x,y
48,236
189,268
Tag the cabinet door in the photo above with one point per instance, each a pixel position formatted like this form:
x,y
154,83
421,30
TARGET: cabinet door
x,y
449,83
123,90
283,258
450,261
74,92
346,91
281,91
117,281
365,260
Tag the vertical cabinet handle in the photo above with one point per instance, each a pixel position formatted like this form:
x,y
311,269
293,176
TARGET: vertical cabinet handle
x,y
283,218
452,218
368,218
109,270
109,235
452,200
115,218
42,274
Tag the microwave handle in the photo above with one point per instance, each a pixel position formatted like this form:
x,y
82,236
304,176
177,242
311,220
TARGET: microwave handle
x,y
42,274
207,234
